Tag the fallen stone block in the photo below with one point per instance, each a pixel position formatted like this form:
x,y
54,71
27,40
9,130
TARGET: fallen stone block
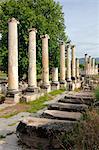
x,y
68,107
62,115
43,133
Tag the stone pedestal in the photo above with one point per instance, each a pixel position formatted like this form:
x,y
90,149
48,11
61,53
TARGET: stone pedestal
x,y
13,60
55,83
62,65
45,64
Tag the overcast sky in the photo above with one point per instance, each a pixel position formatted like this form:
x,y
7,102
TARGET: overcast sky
x,y
82,25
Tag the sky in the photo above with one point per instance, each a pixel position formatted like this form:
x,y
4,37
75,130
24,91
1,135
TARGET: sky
x,y
82,25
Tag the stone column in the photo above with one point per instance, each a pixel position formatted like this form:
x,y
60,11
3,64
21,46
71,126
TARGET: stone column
x,y
96,69
55,83
68,64
90,68
45,61
86,65
62,65
77,68
55,75
93,66
12,56
32,80
73,62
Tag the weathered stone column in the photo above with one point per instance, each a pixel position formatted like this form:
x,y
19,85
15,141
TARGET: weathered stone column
x,y
86,65
68,64
90,68
55,83
93,66
55,75
12,56
73,62
45,62
32,80
62,65
96,69
77,68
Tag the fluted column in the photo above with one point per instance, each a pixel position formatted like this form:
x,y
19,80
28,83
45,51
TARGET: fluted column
x,y
12,55
73,62
62,62
45,60
77,68
32,80
68,64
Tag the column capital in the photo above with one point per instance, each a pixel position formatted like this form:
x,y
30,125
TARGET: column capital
x,y
45,36
61,43
32,29
13,20
72,46
67,46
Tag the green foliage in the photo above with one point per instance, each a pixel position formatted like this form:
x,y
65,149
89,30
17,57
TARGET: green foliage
x,y
85,134
81,66
97,93
46,16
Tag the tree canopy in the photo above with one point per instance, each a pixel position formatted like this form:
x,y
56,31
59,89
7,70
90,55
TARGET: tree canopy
x,y
46,16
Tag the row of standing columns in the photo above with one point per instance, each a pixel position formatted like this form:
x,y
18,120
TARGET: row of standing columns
x,y
90,66
32,79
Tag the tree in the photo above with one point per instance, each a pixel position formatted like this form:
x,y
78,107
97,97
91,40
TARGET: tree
x,y
46,16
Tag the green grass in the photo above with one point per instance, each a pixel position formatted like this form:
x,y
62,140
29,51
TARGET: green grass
x,y
97,93
13,124
56,92
3,75
31,107
39,103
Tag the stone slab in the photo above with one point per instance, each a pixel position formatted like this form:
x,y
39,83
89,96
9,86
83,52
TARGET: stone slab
x,y
62,115
42,132
68,107
76,101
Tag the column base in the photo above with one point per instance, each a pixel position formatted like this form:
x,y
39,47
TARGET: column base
x,y
62,84
69,85
46,88
12,96
54,86
33,89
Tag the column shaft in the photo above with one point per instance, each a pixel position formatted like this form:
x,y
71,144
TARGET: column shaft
x,y
32,80
77,68
68,65
45,59
73,62
12,55
62,62
55,75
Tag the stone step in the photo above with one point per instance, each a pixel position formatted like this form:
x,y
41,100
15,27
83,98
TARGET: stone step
x,y
62,115
68,107
41,131
76,101
79,97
